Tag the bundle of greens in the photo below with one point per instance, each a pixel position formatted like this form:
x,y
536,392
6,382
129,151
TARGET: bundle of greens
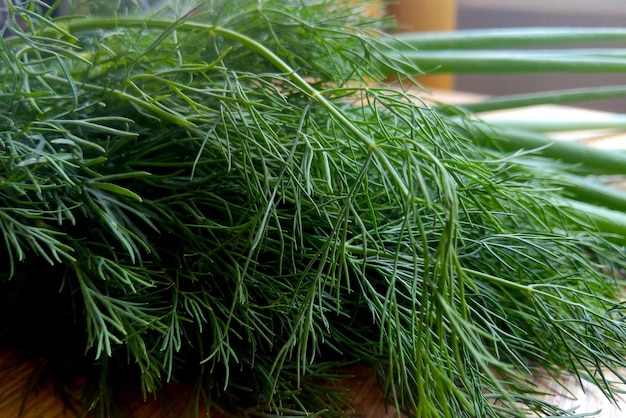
x,y
230,193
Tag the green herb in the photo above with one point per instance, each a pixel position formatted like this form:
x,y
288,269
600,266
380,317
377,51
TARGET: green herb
x,y
229,193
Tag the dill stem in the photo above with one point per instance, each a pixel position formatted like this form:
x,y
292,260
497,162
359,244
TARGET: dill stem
x,y
281,65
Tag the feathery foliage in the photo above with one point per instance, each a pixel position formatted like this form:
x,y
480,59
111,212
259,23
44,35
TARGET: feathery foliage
x,y
230,192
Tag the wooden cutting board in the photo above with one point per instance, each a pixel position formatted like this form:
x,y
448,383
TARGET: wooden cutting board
x,y
21,397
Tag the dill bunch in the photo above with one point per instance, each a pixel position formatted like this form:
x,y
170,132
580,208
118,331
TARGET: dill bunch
x,y
230,193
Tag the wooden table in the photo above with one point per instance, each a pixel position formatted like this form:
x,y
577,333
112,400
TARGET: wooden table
x,y
16,400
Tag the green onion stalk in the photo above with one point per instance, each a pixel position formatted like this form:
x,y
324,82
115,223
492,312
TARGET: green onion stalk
x,y
234,194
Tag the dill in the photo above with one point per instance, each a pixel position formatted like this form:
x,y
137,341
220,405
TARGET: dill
x,y
231,193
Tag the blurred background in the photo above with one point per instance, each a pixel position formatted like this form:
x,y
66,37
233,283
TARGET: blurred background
x,y
524,13
473,14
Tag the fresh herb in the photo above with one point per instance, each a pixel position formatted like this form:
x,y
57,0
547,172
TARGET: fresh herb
x,y
231,193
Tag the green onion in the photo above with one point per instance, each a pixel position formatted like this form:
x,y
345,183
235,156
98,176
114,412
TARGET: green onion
x,y
542,98
472,39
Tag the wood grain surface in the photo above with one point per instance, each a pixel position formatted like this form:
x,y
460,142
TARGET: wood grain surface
x,y
21,397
